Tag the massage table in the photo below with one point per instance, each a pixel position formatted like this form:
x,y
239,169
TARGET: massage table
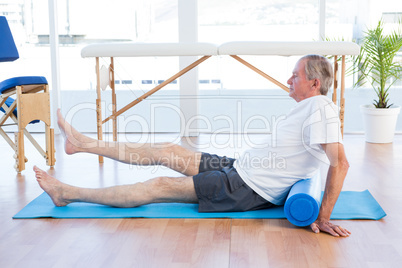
x,y
105,75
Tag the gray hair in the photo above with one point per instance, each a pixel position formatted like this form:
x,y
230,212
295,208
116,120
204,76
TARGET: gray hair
x,y
318,67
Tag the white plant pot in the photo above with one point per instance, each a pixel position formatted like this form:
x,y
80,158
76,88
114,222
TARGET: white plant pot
x,y
379,123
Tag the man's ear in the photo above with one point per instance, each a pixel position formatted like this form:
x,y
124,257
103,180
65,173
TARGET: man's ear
x,y
316,85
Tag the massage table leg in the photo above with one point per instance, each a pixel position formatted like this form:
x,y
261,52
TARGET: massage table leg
x,y
116,113
98,107
342,101
334,93
114,104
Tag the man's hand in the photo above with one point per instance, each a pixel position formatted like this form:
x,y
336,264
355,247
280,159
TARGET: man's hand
x,y
326,226
336,175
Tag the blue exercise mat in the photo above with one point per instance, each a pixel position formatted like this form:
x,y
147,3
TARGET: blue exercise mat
x,y
350,205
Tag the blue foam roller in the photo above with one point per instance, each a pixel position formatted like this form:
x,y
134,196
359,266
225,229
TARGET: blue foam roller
x,y
303,202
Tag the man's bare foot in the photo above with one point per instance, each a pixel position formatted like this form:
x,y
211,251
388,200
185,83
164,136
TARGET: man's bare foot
x,y
74,140
53,187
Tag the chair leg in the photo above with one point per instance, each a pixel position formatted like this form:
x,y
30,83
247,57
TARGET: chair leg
x,y
50,151
19,151
11,143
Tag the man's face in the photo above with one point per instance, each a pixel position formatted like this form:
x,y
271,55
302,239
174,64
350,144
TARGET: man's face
x,y
299,87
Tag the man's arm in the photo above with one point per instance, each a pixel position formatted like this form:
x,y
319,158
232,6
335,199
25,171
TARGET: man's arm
x,y
336,175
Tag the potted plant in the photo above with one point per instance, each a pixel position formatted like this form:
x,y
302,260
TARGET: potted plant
x,y
376,64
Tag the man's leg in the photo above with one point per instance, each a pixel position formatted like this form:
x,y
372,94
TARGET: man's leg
x,y
170,155
158,190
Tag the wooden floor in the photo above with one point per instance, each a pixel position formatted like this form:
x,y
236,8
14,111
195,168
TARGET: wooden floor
x,y
195,243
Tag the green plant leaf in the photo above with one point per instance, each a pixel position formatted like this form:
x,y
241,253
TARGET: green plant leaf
x,y
375,63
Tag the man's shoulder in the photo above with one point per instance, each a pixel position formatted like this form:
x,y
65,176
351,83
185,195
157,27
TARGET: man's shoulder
x,y
320,99
321,102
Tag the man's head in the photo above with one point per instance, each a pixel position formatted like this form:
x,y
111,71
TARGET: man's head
x,y
311,76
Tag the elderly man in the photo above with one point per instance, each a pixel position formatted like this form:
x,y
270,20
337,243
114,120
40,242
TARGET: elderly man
x,y
310,131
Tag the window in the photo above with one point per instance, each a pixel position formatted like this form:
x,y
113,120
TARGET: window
x,y
253,20
95,21
349,20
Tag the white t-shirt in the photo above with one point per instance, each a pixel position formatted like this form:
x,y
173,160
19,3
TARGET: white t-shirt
x,y
294,150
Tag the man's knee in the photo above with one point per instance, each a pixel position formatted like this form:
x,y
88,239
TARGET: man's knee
x,y
179,158
165,147
165,153
171,188
164,183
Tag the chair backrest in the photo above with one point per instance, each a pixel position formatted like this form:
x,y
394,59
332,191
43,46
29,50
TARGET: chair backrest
x,y
8,50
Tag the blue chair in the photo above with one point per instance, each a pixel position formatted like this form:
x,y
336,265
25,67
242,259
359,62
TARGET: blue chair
x,y
31,104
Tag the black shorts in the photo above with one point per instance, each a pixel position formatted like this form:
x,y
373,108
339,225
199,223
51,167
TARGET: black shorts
x,y
220,188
